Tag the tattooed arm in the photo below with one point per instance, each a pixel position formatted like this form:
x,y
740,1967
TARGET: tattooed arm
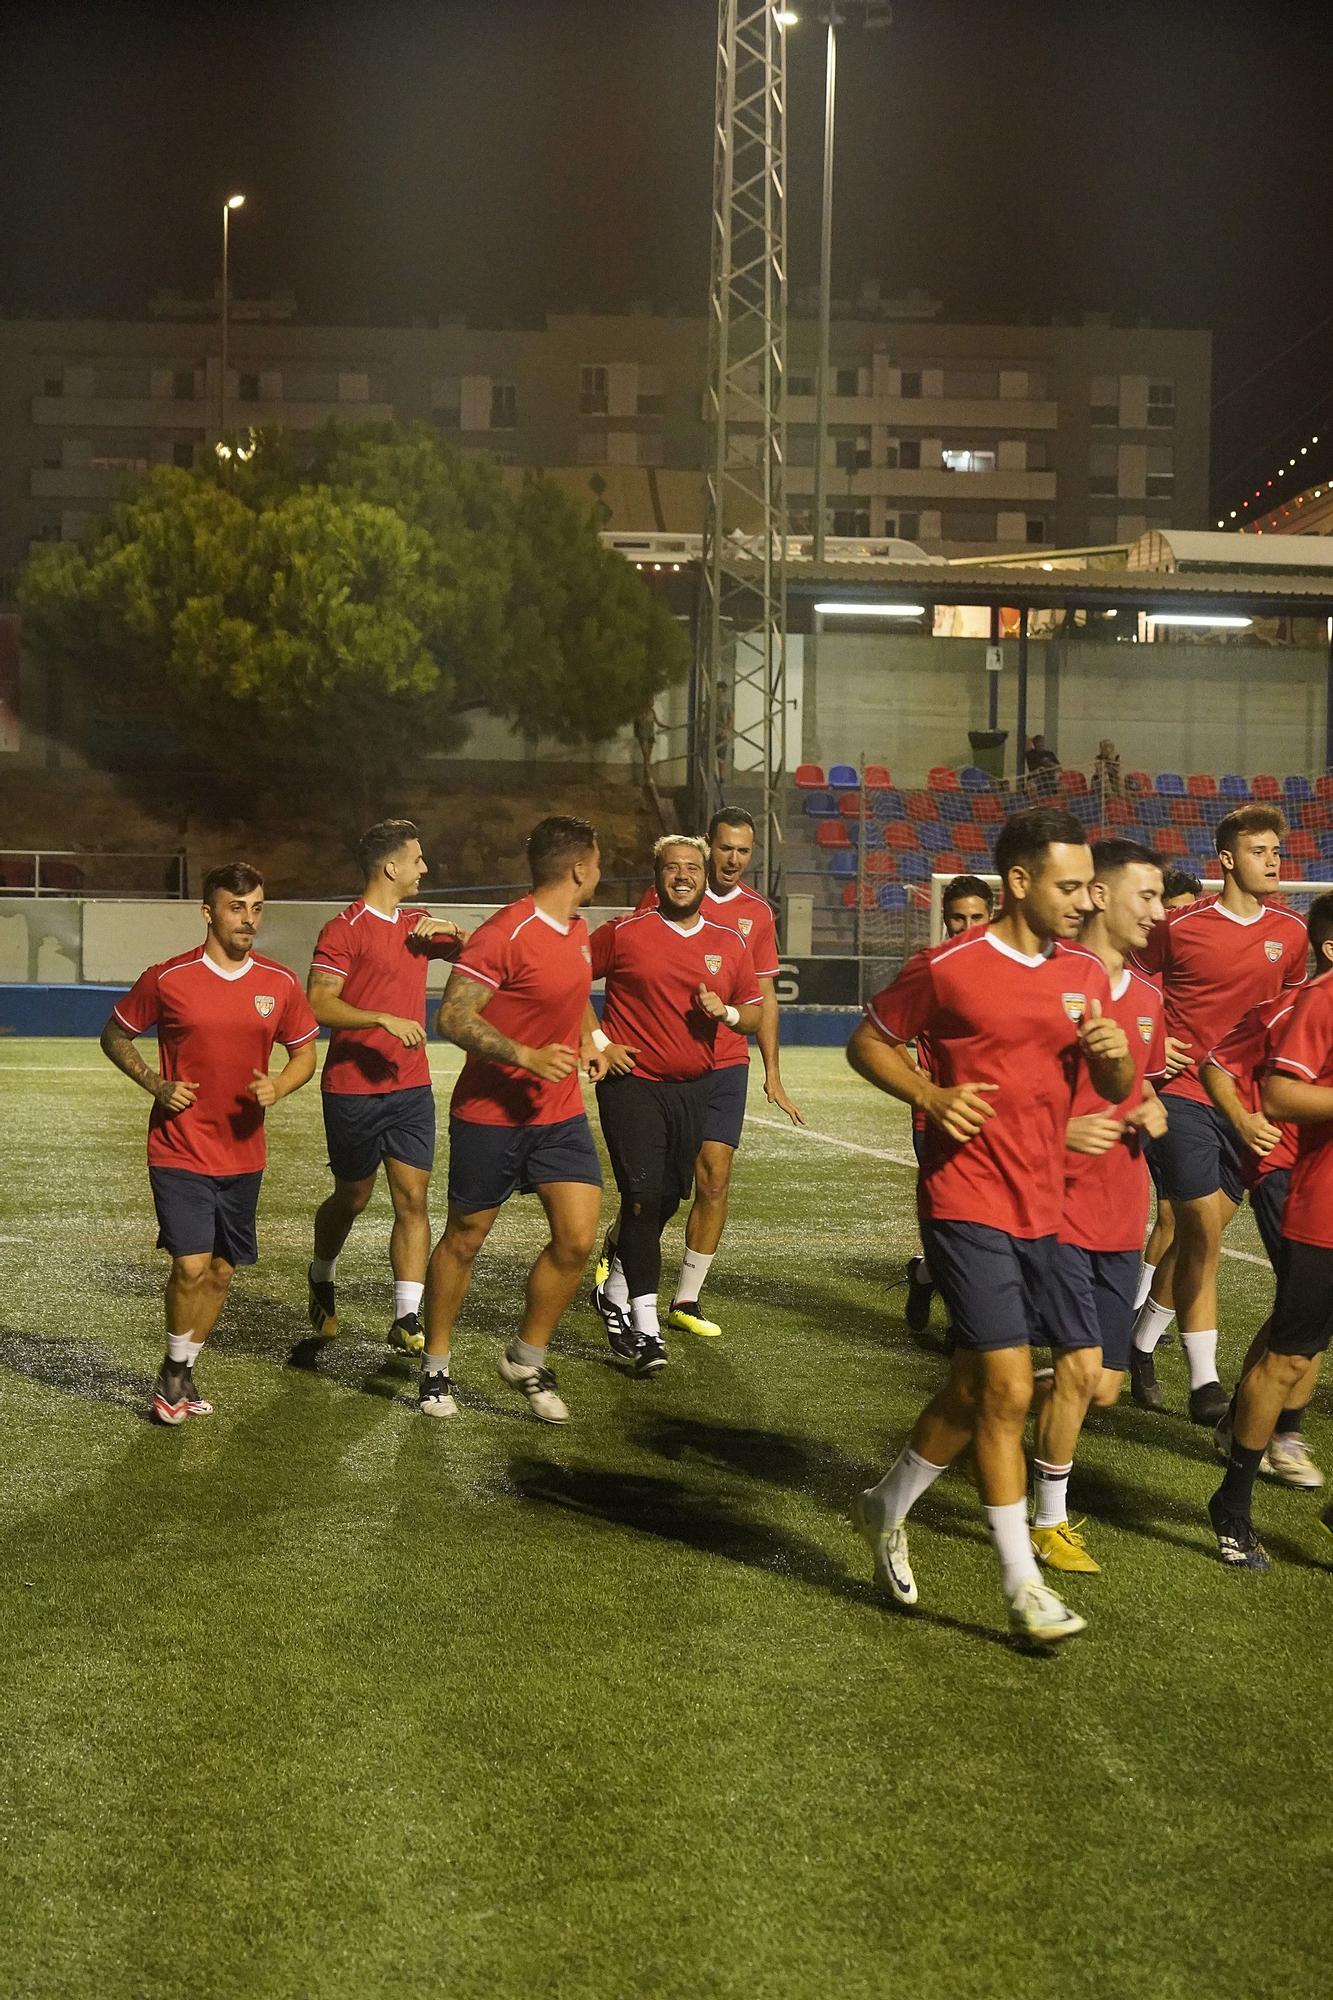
x,y
118,1047
460,1021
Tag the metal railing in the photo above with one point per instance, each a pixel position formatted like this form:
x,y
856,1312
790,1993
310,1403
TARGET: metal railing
x,y
72,871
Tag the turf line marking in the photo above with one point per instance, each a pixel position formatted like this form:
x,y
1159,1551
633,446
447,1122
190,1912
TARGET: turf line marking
x,y
900,1160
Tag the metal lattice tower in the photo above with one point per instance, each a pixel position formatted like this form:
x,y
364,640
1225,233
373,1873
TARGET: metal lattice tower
x,y
740,707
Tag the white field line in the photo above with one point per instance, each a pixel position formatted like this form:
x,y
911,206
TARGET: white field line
x,y
899,1160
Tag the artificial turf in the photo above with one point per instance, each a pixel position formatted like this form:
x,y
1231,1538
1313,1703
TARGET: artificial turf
x,y
316,1698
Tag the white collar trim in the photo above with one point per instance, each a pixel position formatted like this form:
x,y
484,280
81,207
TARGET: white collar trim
x,y
1232,918
697,925
730,896
371,911
1019,957
1120,987
554,922
218,972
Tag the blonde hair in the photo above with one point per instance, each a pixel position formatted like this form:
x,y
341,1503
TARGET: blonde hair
x,y
694,840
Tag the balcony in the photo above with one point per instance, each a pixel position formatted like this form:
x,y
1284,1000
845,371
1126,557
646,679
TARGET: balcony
x,y
960,488
1000,415
162,413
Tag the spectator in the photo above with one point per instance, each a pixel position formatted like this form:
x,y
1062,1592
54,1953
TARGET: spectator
x,y
1043,769
1106,771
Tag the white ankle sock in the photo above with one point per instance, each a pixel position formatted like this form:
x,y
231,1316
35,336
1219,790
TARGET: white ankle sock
x,y
179,1345
1151,1325
1201,1353
406,1297
615,1287
1146,1276
905,1481
1052,1493
323,1269
643,1314
1013,1545
435,1364
693,1270
193,1351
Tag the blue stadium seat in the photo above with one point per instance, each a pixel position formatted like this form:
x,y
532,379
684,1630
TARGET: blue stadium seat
x,y
844,778
1153,812
893,896
1297,790
1234,789
1326,843
914,868
1088,809
843,865
872,834
1170,785
821,805
934,836
973,780
888,805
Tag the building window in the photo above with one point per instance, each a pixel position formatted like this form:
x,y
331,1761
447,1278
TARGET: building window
x,y
592,392
247,388
115,462
1034,529
968,461
54,385
846,382
183,455
969,527
182,385
1103,470
652,392
909,526
800,385
1038,457
910,383
967,385
1161,472
1161,405
853,522
909,454
1105,402
852,454
504,405
446,402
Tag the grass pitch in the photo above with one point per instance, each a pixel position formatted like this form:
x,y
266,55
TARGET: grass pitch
x,y
315,1698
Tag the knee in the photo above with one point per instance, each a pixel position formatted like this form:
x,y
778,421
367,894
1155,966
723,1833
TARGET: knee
x,y
571,1248
462,1243
1287,1370
1005,1403
1079,1371
1107,1388
352,1196
191,1274
220,1274
712,1185
409,1205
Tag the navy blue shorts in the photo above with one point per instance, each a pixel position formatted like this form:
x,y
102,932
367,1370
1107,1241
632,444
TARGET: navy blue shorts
x,y
726,1104
1154,1159
1303,1310
1268,1199
995,1286
488,1163
1092,1296
364,1129
206,1215
1198,1153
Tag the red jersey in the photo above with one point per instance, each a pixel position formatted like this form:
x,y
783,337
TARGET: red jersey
x,y
1214,967
743,911
653,971
996,1016
382,966
215,1028
1242,1055
1303,1047
1106,1196
540,972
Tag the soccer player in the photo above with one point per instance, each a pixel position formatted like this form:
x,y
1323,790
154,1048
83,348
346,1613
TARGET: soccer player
x,y
1011,1021
1095,1264
1179,887
368,984
727,900
674,980
1297,1088
966,905
517,1004
1217,958
218,1011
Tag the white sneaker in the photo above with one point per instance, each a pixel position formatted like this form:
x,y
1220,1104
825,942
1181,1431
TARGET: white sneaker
x,y
1037,1614
888,1545
538,1385
436,1395
1288,1460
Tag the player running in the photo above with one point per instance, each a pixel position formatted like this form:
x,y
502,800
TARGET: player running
x,y
1095,1264
218,1011
1217,958
1011,1021
517,1003
674,981
1179,887
368,984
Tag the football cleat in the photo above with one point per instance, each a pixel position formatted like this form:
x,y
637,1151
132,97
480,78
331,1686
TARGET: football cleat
x,y
198,1406
888,1546
1237,1544
406,1336
920,1291
687,1318
624,1341
167,1408
1062,1547
652,1355
539,1386
1288,1460
322,1305
1039,1616
1144,1386
1209,1403
436,1394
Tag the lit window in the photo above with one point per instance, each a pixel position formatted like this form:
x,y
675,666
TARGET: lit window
x,y
968,461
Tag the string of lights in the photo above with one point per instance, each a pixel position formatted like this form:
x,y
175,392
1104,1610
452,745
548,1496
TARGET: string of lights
x,y
1267,487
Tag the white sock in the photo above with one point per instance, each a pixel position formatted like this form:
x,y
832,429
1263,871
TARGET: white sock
x,y
1146,1276
193,1351
693,1270
1013,1545
406,1297
923,1276
323,1269
905,1481
1151,1325
615,1287
643,1314
435,1364
179,1345
1201,1353
1052,1490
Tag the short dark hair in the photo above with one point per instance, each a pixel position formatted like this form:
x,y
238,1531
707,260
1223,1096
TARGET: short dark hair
x,y
730,816
967,885
554,844
1319,924
1180,882
379,842
1110,856
1249,819
1025,837
235,878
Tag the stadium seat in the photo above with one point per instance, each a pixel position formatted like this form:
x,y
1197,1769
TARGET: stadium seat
x,y
1323,787
1302,846
942,778
849,897
1170,785
1292,870
1184,812
892,896
920,805
934,836
1326,845
809,778
849,805
970,840
1233,788
881,863
833,833
949,863
1119,812
1201,785
1317,815
888,805
915,868
1265,786
1085,807
1153,812
872,834
821,805
876,778
1075,784
987,809
844,778
900,836
1136,782
1297,789
974,780
842,864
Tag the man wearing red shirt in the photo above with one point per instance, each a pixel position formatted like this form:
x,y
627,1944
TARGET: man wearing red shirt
x,y
517,1004
218,1011
1297,1088
368,984
1011,1022
1216,959
1095,1266
674,980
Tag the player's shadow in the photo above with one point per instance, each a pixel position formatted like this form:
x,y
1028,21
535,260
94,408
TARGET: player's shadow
x,y
809,1466
57,1362
1160,1517
667,1510
834,1314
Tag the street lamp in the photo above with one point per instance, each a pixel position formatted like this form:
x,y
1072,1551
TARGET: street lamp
x,y
232,201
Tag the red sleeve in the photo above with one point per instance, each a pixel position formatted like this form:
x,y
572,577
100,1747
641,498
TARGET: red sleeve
x,y
1156,1063
647,901
138,1011
602,945
1304,1047
335,948
486,956
298,1023
744,979
901,1010
1235,1052
1152,959
763,942
433,947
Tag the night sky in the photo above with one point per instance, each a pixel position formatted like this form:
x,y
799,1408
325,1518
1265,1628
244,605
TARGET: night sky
x,y
1027,159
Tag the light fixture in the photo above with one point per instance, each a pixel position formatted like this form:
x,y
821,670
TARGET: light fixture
x,y
784,17
236,201
1228,620
843,610
1046,565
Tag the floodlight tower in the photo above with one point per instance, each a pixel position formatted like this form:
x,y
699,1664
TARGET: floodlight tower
x,y
740,683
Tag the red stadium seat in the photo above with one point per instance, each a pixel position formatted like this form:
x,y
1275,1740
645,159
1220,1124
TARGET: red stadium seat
x,y
879,862
970,840
920,805
1200,785
900,836
1323,788
1265,786
1185,812
1302,846
1137,782
876,778
809,778
949,864
868,897
1119,812
849,805
1318,815
832,833
942,778
987,809
1292,869
1074,783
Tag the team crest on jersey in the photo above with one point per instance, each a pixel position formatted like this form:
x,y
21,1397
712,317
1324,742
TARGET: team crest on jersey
x,y
745,925
1272,950
1075,1005
713,960
264,1005
1145,1027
